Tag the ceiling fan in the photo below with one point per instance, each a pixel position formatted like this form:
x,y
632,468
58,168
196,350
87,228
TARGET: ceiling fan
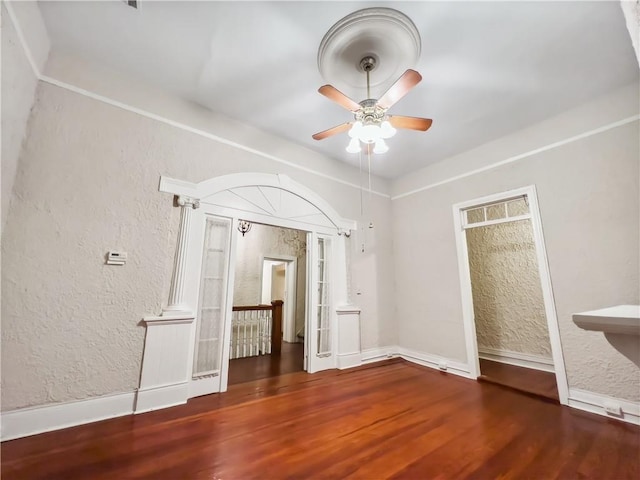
x,y
371,124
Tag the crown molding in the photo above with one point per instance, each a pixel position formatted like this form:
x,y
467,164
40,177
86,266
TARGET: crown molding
x,y
522,156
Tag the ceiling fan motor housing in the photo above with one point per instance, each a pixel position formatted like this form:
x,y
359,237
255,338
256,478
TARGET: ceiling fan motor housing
x,y
370,113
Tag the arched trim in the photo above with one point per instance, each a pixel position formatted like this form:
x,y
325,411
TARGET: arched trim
x,y
209,189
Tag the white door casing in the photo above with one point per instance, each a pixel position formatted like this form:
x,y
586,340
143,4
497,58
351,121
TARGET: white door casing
x,y
291,281
273,200
545,280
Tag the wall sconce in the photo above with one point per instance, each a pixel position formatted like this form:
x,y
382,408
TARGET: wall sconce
x,y
244,226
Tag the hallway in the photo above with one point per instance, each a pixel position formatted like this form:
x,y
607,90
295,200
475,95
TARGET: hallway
x,y
247,369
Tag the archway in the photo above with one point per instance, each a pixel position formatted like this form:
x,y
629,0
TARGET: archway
x,y
213,209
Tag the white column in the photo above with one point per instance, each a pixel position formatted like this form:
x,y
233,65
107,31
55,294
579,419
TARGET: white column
x,y
168,344
176,292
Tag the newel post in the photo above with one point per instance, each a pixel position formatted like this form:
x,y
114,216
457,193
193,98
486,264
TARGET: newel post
x,y
276,326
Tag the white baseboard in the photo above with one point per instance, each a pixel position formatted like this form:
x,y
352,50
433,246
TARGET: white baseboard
x,y
349,360
204,386
518,359
164,396
377,354
426,360
595,403
46,418
436,362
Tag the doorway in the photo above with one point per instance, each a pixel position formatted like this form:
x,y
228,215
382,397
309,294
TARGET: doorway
x,y
269,303
279,282
510,321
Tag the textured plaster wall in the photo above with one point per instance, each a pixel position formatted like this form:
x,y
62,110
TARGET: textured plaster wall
x,y
588,192
631,10
507,296
18,92
263,241
88,183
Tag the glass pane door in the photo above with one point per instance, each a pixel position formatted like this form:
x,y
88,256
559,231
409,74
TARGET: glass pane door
x,y
213,292
321,345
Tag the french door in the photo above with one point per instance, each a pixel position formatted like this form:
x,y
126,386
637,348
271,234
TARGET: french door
x,y
211,332
320,338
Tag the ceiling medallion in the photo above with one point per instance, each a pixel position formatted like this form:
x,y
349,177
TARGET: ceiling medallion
x,y
384,34
357,46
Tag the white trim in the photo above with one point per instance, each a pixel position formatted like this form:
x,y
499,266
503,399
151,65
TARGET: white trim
x,y
595,402
23,40
204,385
46,418
196,131
348,309
163,396
296,224
291,302
488,223
522,156
348,360
169,319
435,361
115,103
208,188
527,360
548,297
378,354
545,282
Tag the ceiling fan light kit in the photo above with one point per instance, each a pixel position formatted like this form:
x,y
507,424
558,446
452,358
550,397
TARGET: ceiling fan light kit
x,y
360,43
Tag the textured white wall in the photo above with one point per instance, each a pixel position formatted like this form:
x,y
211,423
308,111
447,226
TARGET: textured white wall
x,y
261,241
631,10
88,183
18,91
588,192
507,296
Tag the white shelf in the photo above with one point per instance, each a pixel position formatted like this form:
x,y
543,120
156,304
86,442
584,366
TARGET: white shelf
x,y
619,319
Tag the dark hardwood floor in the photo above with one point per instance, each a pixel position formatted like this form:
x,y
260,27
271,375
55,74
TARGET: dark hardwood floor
x,y
391,419
526,380
289,360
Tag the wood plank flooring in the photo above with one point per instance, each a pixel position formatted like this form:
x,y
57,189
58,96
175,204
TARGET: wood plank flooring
x,y
391,419
289,360
526,380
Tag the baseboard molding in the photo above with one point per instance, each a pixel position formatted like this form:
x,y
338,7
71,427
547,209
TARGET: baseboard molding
x,y
33,420
164,396
436,362
349,360
595,403
426,360
378,354
518,359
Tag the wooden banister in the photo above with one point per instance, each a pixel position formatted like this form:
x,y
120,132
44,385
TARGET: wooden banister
x,y
276,327
244,308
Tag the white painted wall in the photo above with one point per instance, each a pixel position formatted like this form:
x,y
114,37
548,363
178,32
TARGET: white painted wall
x,y
18,91
88,183
588,192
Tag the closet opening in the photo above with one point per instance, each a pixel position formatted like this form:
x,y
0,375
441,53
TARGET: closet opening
x,y
512,333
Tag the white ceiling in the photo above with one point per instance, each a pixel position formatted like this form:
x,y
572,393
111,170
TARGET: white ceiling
x,y
489,68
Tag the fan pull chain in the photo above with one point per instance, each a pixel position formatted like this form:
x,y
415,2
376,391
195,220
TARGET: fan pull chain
x,y
361,199
369,168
